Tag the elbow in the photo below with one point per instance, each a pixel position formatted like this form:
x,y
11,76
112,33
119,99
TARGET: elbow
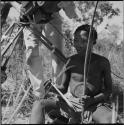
x,y
108,95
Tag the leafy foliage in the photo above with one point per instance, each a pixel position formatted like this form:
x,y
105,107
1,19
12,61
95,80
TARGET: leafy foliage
x,y
104,9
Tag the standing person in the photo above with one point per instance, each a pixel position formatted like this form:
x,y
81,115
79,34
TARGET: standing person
x,y
34,47
98,87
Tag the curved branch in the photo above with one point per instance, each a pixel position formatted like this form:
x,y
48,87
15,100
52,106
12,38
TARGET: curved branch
x,y
87,51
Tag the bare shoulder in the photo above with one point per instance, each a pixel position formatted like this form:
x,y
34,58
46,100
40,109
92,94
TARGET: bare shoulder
x,y
72,60
102,58
103,61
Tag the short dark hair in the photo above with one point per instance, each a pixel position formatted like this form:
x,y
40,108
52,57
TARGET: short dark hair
x,y
86,28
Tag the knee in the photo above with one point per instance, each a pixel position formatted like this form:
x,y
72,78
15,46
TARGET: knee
x,y
37,115
104,120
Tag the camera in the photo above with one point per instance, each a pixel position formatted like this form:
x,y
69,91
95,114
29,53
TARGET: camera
x,y
40,12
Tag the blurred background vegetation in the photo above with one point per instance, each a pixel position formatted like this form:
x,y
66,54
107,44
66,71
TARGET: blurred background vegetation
x,y
17,83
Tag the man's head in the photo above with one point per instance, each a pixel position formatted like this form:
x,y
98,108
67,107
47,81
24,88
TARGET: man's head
x,y
81,35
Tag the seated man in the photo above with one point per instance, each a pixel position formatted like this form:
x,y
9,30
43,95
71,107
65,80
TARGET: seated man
x,y
98,87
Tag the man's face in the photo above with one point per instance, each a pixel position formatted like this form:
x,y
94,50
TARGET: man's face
x,y
81,40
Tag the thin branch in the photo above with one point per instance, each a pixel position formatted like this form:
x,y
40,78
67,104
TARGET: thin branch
x,y
8,122
120,77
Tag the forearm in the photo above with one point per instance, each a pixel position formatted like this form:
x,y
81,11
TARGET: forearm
x,y
101,97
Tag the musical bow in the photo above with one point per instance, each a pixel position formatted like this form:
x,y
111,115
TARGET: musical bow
x,y
88,52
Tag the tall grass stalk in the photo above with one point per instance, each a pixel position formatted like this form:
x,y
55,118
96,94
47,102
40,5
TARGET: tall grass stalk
x,y
18,107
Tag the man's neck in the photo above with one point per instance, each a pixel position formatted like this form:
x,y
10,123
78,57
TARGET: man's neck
x,y
83,52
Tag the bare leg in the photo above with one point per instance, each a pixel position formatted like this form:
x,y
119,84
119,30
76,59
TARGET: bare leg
x,y
41,107
102,114
37,114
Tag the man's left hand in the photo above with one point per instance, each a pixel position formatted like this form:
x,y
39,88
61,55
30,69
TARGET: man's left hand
x,y
86,100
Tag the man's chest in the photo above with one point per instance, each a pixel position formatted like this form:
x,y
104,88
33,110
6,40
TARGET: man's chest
x,y
93,68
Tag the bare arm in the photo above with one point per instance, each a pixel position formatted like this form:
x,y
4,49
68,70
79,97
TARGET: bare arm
x,y
107,83
105,94
65,82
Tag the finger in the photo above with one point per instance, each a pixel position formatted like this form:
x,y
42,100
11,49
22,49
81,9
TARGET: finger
x,y
84,96
85,114
90,117
81,101
88,114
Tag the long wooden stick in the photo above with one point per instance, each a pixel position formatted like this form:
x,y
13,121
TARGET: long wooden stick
x,y
7,31
86,62
5,62
49,45
10,43
64,98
